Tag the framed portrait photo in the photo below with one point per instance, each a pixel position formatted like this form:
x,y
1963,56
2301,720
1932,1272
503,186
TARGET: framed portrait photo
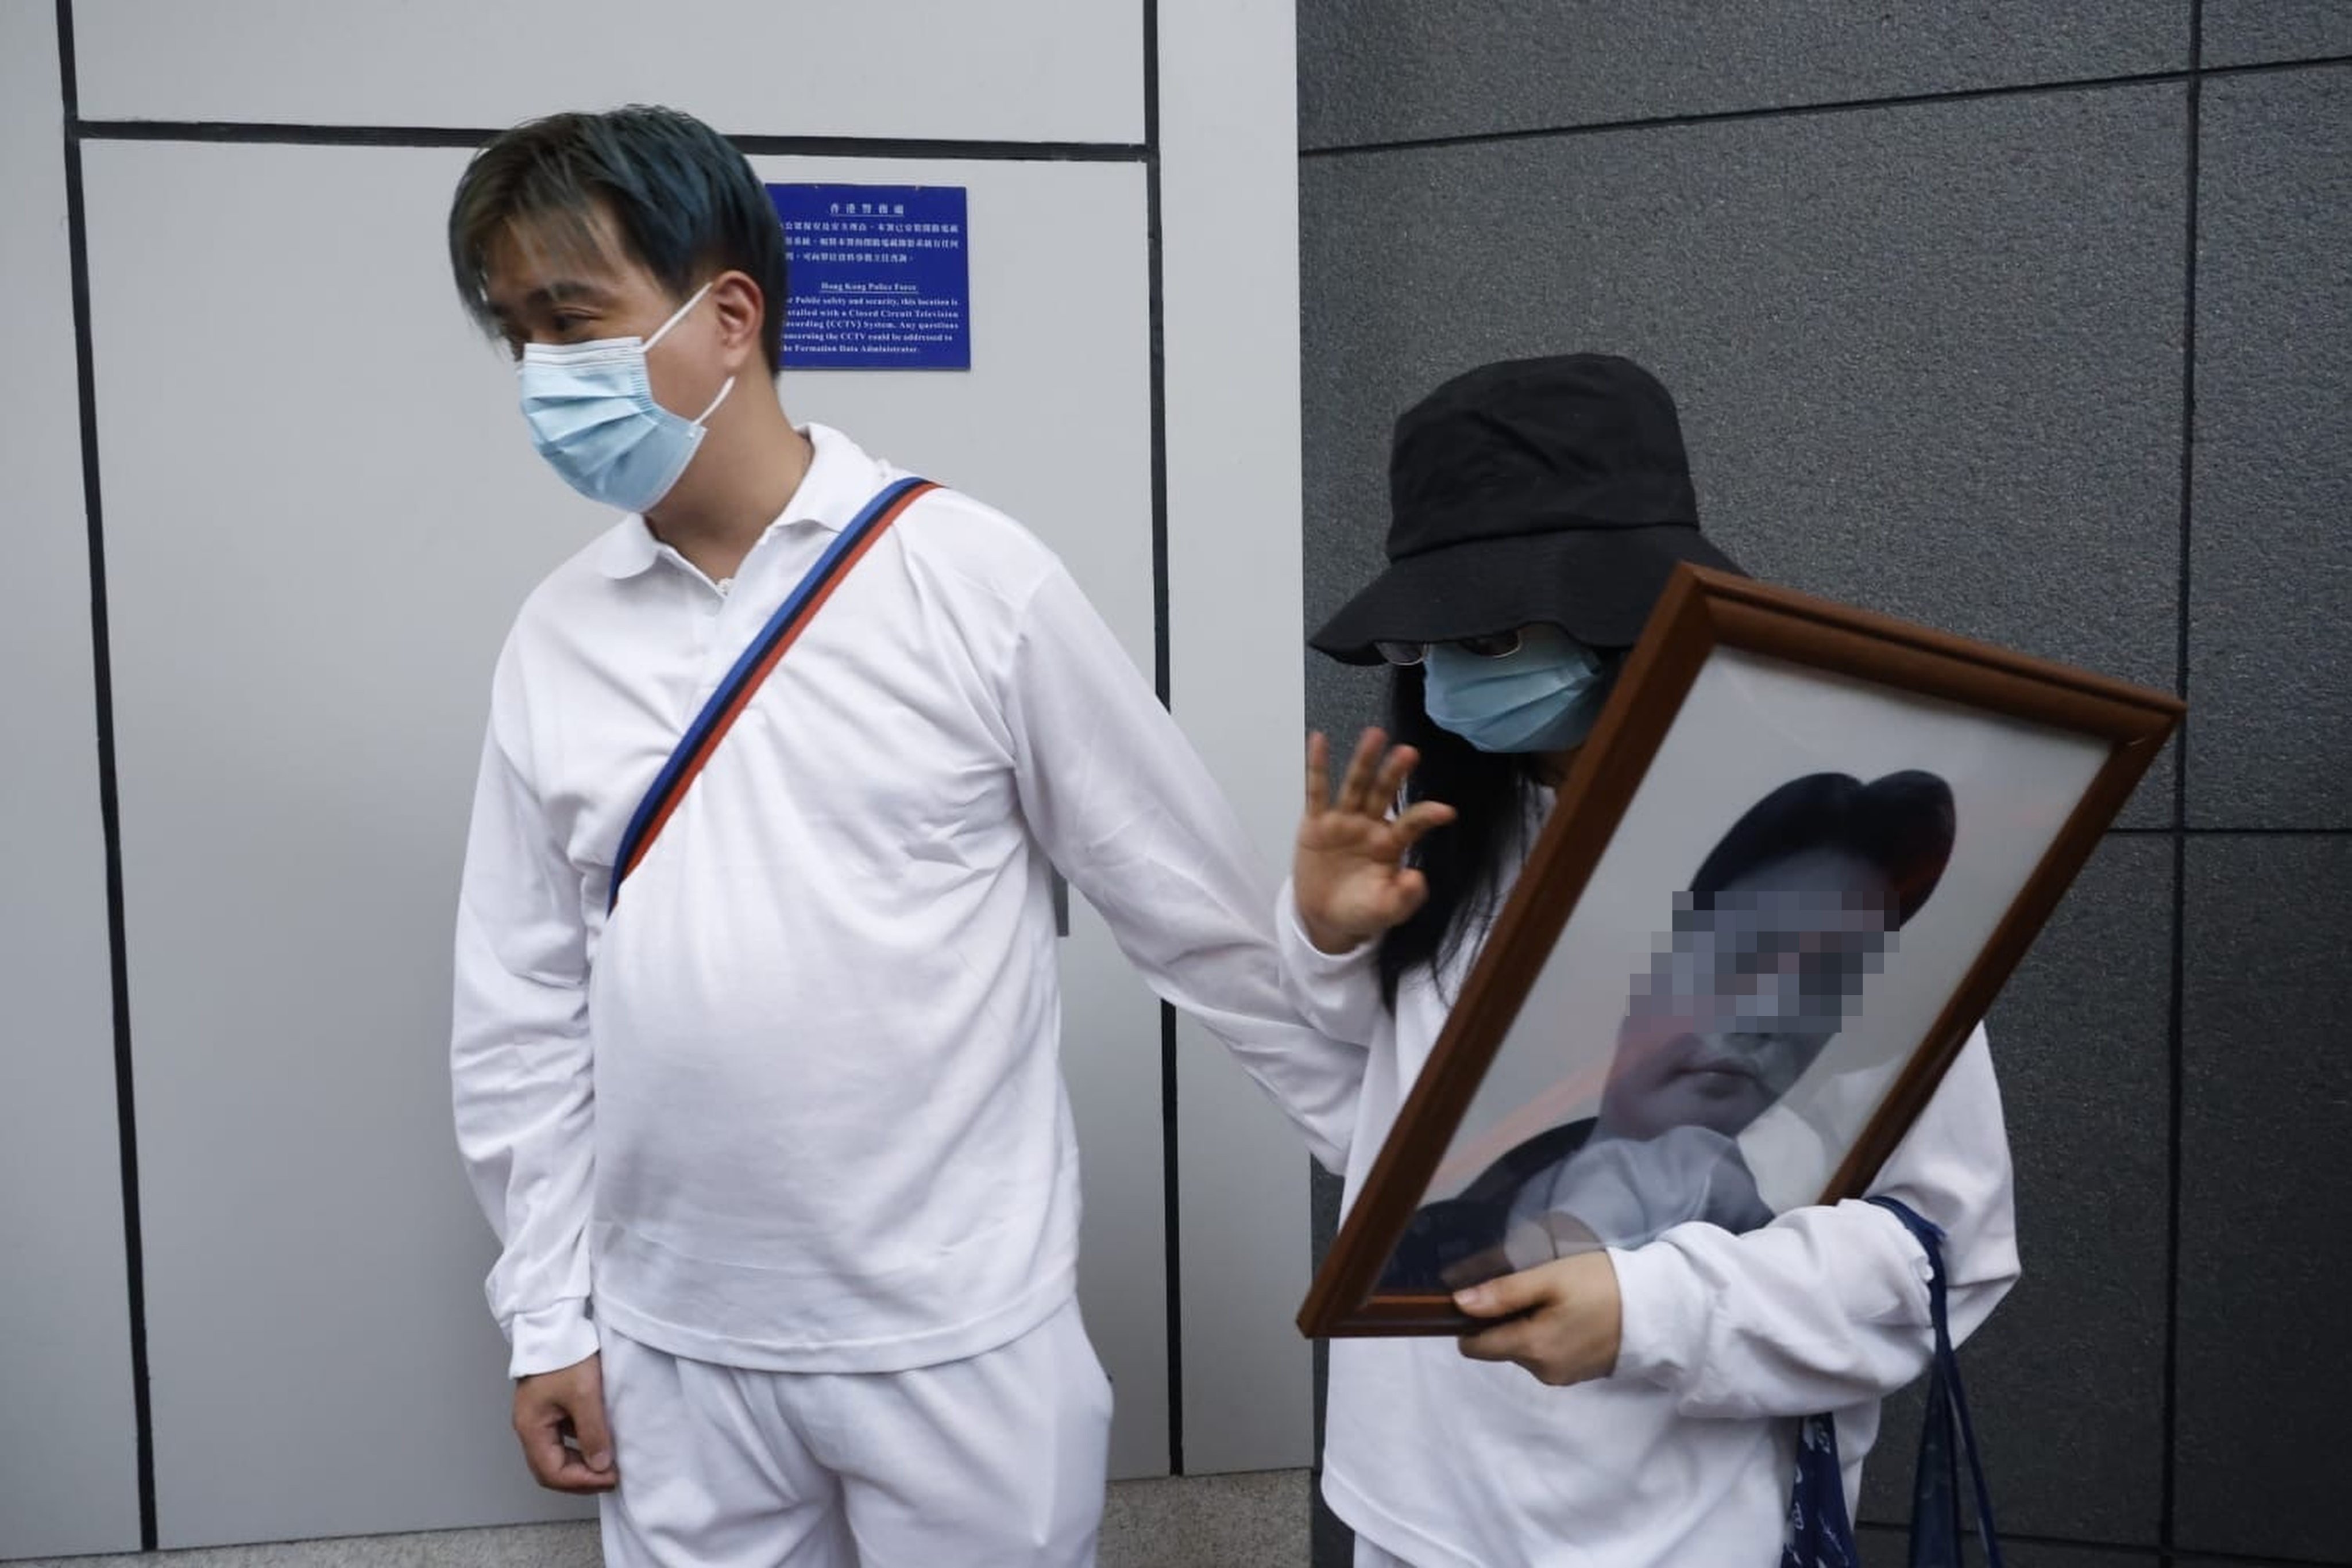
x,y
1783,880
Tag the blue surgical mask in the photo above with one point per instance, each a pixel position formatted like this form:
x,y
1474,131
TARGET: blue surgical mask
x,y
1543,696
593,419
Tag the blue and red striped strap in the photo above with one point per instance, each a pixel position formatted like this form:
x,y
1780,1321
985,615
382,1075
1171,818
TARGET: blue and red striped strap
x,y
766,650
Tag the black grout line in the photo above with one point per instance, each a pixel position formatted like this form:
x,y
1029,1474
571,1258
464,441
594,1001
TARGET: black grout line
x,y
2245,1560
2139,1551
287,135
1162,675
1172,1240
264,133
2169,1473
1162,659
2170,831
1828,106
109,805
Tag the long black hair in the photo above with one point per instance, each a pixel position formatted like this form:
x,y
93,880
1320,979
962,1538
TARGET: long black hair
x,y
1493,795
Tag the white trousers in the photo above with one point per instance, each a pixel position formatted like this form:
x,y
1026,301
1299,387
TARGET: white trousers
x,y
994,1462
1370,1556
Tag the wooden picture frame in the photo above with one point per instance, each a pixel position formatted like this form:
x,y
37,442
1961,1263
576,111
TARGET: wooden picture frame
x,y
1831,680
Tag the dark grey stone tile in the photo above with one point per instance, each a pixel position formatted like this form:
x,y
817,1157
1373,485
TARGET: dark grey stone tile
x,y
1340,699
1885,1549
1324,1193
1386,70
2251,32
2066,1380
2047,1554
2270,555
1331,1543
2265,1363
1928,357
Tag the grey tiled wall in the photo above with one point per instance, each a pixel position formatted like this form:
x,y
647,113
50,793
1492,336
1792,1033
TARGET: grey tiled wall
x,y
2269,577
2265,1359
1378,71
2071,1369
1944,292
2253,32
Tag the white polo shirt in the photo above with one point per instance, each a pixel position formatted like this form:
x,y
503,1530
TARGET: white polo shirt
x,y
796,1105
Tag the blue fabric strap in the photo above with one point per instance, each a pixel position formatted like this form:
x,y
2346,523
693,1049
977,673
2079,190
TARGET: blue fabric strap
x,y
743,680
1821,1534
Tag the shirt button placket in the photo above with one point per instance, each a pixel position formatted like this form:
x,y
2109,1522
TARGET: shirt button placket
x,y
710,618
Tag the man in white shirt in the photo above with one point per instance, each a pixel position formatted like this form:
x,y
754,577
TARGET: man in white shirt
x,y
769,1124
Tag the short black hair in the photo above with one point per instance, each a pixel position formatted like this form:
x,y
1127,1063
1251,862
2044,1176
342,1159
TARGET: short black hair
x,y
684,200
1902,824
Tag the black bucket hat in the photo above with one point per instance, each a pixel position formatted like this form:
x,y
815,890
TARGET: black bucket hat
x,y
1903,826
1535,491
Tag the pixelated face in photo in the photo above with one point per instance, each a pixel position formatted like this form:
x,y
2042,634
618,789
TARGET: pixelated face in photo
x,y
1750,987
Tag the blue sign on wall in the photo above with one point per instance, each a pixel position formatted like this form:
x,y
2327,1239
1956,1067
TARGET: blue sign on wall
x,y
881,277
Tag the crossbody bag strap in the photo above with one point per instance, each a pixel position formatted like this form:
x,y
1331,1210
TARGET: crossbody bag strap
x,y
734,692
1936,1527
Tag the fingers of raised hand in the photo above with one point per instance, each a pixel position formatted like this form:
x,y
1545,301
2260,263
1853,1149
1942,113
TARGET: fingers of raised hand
x,y
1318,773
1357,785
1419,818
1389,782
1407,891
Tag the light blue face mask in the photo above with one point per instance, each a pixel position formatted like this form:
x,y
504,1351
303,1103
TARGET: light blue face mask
x,y
1543,696
593,419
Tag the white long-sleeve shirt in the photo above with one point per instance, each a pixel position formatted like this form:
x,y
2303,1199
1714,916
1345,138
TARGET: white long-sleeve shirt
x,y
1684,1456
796,1106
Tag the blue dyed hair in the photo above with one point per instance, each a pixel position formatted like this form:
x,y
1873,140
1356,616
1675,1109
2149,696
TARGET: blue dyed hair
x,y
683,200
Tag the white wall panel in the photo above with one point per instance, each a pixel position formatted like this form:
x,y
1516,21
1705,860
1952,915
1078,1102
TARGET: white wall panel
x,y
1033,71
1229,212
321,517
68,1469
322,513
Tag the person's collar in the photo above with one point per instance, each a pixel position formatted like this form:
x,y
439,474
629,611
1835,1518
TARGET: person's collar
x,y
841,479
629,548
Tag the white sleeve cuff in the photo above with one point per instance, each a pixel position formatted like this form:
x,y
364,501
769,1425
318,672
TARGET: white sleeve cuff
x,y
550,1339
1338,993
1312,959
1662,1314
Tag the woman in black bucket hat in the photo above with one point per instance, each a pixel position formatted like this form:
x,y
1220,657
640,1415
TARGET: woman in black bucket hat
x,y
1539,508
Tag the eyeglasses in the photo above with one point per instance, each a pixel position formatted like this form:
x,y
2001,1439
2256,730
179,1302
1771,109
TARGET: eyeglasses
x,y
1501,644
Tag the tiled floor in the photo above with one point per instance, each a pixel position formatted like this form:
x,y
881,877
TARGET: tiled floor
x,y
1208,1521
1201,1522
